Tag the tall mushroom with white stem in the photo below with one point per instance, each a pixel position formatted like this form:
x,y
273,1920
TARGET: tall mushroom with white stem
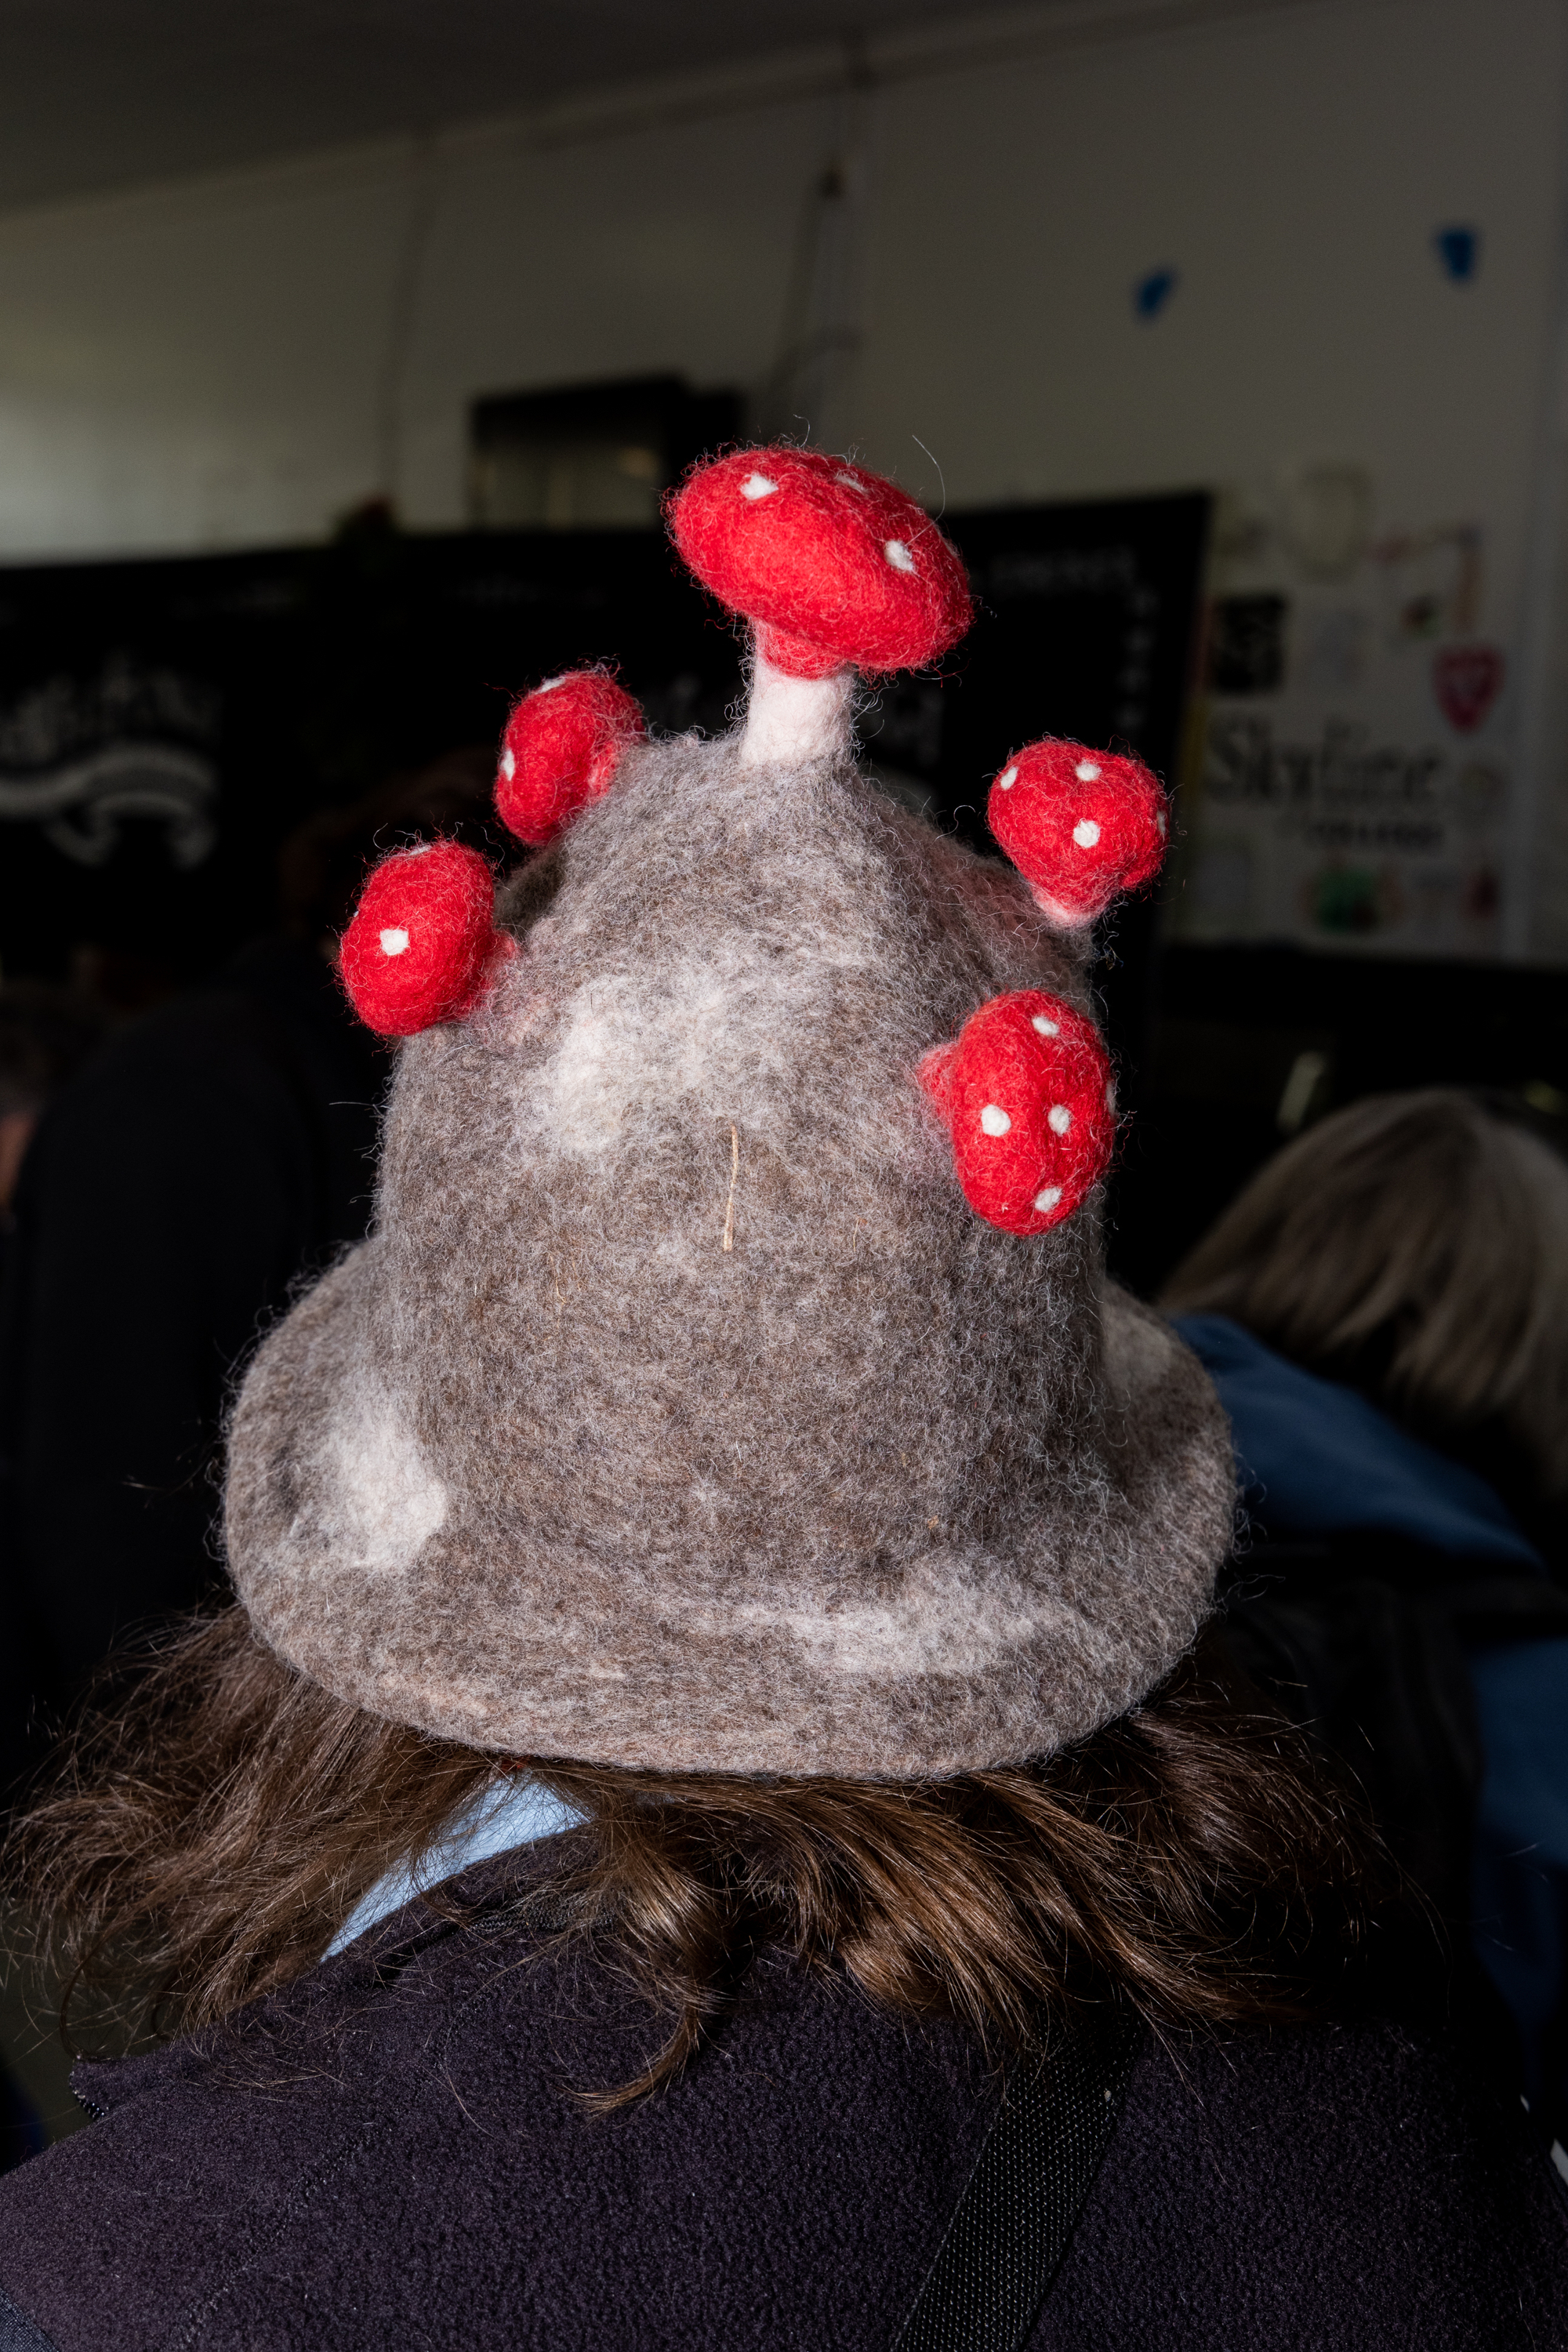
x,y
836,570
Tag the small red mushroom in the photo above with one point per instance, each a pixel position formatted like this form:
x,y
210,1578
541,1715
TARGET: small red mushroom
x,y
422,943
1026,1092
1081,826
835,568
562,747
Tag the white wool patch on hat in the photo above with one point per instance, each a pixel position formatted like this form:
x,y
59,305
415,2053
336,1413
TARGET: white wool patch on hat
x,y
387,1501
633,1041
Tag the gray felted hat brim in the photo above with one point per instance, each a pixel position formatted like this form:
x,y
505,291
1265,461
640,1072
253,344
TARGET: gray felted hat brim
x,y
681,1414
359,1566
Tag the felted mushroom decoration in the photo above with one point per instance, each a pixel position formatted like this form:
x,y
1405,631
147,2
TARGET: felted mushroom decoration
x,y
563,744
1081,826
1027,1095
423,944
836,569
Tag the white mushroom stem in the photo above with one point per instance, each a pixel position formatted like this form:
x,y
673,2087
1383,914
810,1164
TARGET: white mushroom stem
x,y
790,720
1064,918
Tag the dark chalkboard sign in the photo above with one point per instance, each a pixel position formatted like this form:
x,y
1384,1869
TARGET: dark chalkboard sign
x,y
1085,627
165,725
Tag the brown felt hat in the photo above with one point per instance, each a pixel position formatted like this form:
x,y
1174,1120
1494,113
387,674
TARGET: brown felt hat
x,y
681,1411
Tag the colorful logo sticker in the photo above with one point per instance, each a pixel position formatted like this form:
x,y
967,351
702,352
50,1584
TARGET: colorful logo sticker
x,y
1466,681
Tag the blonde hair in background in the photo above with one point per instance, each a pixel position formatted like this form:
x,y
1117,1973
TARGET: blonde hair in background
x,y
1417,1248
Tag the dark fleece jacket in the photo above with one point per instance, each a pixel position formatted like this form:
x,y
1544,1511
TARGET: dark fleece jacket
x,y
390,2155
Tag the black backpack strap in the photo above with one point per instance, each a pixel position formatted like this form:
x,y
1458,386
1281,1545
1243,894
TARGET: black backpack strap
x,y
1005,2242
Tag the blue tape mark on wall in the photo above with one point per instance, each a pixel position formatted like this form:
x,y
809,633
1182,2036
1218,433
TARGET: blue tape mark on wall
x,y
1151,294
1459,250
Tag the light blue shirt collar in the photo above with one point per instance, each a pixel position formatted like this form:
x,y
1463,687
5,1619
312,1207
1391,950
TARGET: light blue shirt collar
x,y
508,1812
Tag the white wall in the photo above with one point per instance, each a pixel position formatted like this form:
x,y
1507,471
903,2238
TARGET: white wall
x,y
205,363
238,360
1293,167
211,365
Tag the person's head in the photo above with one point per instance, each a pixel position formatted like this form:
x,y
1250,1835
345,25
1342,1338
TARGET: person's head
x,y
728,1421
1415,1246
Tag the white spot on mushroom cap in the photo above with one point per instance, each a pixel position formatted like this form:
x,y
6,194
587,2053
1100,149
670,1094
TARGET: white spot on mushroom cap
x,y
1007,779
1087,771
1048,1198
758,485
853,482
1059,1118
551,684
1047,1028
1159,823
394,942
994,1120
509,763
898,555
1086,833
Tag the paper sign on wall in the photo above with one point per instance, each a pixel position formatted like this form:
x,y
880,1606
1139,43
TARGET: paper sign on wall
x,y
1351,780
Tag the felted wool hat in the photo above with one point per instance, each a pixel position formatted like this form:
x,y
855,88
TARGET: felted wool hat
x,y
731,1380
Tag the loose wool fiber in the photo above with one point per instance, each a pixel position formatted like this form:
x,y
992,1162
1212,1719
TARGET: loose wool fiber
x,y
679,1413
832,564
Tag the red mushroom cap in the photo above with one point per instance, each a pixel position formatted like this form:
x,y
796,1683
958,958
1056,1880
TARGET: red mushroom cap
x,y
562,747
831,564
1079,825
1028,1096
423,940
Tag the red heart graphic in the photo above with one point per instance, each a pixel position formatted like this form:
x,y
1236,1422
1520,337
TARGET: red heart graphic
x,y
1466,681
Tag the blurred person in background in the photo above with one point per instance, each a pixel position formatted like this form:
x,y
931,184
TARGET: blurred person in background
x,y
47,1034
1384,1312
214,1151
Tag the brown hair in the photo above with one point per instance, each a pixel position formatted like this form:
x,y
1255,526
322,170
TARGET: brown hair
x,y
1415,1247
208,1839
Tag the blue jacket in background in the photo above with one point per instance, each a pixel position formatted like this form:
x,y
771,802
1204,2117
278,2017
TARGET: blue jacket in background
x,y
1315,1458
